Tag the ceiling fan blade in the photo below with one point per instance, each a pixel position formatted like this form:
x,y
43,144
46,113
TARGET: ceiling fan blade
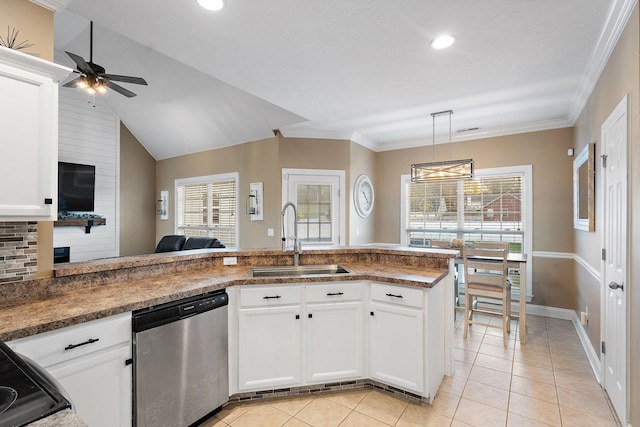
x,y
82,64
72,83
125,79
119,89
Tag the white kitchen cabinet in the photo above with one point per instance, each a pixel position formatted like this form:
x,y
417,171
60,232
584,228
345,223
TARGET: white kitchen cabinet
x,y
28,136
270,338
90,361
99,385
334,332
396,346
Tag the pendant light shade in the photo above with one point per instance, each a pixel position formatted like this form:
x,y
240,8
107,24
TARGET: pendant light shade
x,y
442,171
445,170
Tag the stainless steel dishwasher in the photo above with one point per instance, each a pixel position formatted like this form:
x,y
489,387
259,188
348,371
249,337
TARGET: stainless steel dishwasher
x,y
180,364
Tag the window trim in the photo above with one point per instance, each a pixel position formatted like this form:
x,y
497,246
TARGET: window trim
x,y
208,179
341,174
527,247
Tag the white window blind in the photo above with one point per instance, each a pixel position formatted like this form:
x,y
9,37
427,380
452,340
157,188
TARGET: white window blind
x,y
207,206
494,206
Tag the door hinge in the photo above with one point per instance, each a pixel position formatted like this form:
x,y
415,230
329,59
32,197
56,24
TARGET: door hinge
x,y
604,254
604,160
603,350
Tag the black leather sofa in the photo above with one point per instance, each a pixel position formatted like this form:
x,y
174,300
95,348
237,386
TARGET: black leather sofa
x,y
177,242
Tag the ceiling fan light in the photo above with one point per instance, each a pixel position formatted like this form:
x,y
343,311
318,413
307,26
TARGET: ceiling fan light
x,y
211,4
82,82
101,87
443,41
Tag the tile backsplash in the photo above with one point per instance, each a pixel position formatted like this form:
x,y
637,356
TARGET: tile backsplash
x,y
18,251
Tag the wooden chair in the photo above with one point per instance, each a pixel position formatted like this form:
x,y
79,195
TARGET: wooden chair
x,y
485,267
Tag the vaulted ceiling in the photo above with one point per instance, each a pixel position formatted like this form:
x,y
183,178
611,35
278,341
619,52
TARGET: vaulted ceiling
x,y
343,69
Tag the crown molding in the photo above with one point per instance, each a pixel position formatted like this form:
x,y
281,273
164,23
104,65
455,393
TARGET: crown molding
x,y
53,5
617,18
482,134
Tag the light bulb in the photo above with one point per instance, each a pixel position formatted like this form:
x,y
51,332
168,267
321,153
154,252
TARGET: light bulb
x,y
443,41
100,87
211,4
82,82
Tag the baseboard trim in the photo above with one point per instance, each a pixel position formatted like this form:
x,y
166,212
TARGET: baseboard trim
x,y
566,314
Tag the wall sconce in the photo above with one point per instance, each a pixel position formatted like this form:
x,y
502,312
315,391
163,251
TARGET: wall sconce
x,y
162,205
255,201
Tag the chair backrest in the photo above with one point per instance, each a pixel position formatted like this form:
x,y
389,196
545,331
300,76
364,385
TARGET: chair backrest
x,y
198,242
486,264
170,243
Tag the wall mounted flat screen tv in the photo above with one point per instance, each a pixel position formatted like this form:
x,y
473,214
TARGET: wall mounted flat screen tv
x,y
76,187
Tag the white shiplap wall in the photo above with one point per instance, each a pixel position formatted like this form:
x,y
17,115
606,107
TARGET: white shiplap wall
x,y
89,133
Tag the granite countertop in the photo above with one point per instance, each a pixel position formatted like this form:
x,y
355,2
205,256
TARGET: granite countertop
x,y
81,301
66,418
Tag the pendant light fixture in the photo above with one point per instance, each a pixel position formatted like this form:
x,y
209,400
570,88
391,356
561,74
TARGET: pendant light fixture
x,y
445,170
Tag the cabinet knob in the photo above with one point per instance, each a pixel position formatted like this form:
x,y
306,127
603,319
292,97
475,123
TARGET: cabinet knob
x,y
310,316
48,201
371,313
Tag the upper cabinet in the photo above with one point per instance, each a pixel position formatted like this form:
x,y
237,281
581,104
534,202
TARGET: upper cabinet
x,y
28,136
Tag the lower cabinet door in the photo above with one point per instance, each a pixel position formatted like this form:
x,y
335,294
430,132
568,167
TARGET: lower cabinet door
x,y
396,346
269,347
334,341
99,385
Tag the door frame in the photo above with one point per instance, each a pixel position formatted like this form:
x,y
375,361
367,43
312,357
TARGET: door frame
x,y
622,109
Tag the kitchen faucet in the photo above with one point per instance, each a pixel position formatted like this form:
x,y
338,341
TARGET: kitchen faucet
x,y
297,246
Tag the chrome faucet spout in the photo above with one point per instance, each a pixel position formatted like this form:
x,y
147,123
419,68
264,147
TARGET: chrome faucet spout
x,y
297,247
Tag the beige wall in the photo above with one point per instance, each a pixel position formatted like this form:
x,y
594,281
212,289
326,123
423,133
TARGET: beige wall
x,y
255,162
263,161
552,193
363,161
137,196
34,23
621,76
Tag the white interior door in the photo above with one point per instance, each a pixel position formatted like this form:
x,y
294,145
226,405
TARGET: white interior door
x,y
614,283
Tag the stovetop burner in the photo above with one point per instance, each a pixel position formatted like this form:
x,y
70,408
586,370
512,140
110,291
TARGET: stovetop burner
x,y
8,395
25,395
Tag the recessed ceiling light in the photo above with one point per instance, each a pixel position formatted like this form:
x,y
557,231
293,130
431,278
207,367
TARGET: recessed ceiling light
x,y
211,4
442,41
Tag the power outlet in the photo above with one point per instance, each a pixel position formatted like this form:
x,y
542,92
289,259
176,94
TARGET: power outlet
x,y
584,317
229,260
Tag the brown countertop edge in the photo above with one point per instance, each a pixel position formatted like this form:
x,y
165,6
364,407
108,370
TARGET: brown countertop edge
x,y
23,317
107,264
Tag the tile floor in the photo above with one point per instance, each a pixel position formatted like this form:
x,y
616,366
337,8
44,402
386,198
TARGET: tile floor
x,y
548,381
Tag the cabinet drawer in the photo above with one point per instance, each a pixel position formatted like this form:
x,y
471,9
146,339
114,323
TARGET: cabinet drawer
x,y
334,292
266,296
400,295
50,348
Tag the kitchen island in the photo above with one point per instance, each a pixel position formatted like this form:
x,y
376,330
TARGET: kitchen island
x,y
85,293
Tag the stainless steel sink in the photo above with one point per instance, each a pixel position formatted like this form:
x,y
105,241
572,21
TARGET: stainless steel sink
x,y
301,270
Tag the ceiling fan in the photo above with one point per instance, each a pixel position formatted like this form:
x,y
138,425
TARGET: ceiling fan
x,y
93,77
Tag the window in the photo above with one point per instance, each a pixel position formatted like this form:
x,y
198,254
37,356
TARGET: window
x,y
207,206
320,205
494,206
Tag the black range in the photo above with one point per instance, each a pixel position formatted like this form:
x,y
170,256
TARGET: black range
x,y
25,394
